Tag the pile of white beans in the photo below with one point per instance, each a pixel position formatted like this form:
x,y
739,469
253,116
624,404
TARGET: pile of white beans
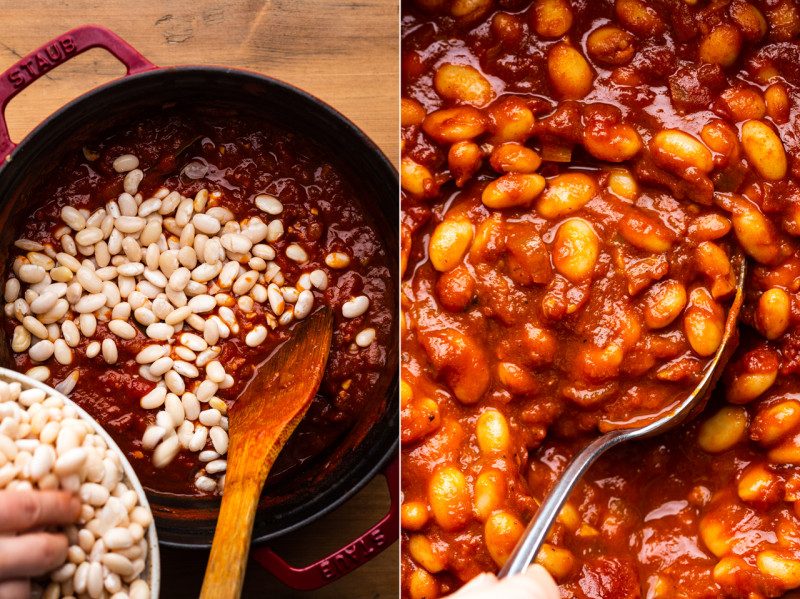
x,y
176,266
44,444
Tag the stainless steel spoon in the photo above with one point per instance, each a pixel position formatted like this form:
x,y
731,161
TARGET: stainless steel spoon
x,y
531,541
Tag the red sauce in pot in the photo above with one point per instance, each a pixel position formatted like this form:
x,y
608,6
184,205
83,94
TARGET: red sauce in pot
x,y
322,212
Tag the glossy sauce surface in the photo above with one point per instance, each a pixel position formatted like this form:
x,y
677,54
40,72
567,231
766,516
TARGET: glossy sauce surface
x,y
681,119
322,213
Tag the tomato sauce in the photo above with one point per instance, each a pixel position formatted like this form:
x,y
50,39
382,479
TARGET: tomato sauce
x,y
683,116
241,157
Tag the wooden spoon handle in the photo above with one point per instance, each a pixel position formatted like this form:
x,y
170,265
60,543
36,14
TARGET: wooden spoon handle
x,y
228,560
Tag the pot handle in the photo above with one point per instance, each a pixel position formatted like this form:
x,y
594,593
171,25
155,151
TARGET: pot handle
x,y
40,61
348,558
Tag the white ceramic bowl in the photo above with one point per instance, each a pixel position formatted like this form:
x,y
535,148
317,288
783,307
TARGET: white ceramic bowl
x,y
152,571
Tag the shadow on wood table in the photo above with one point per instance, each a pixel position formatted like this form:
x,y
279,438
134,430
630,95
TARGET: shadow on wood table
x,y
182,570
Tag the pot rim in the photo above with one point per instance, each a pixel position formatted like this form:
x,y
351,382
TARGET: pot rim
x,y
182,70
388,450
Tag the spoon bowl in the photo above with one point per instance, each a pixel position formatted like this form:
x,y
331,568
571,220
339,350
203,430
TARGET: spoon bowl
x,y
535,534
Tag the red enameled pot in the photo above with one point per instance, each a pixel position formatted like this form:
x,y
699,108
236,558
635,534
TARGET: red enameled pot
x,y
371,446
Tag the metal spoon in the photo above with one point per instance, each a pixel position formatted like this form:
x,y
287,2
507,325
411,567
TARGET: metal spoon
x,y
531,541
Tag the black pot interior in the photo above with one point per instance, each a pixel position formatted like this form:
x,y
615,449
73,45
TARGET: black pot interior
x,y
329,480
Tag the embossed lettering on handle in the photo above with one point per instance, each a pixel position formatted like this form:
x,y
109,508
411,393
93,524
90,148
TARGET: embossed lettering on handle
x,y
352,556
44,59
345,560
37,63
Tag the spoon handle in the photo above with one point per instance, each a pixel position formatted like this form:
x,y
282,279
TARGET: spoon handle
x,y
533,537
228,559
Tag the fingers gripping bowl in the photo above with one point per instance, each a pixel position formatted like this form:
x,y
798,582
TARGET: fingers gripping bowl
x,y
247,167
49,442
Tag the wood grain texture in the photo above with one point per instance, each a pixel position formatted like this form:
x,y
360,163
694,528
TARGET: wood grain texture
x,y
345,52
261,422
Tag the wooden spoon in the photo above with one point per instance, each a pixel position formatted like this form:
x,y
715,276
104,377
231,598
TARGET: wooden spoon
x,y
261,421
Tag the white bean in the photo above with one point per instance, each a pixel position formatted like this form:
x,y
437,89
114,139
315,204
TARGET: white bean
x,y
165,452
174,408
156,277
41,351
245,282
34,326
365,337
274,231
305,301
210,417
125,163
193,342
70,332
236,243
122,329
202,303
93,349
151,353
355,307
206,484
215,371
109,349
296,253
219,439
87,324
211,332
206,224
31,274
145,317
175,382
206,390
12,289
207,455
89,236
21,339
160,331
256,336
276,300
94,580
198,440
93,494
44,302
152,436
131,181
73,218
180,278
191,406
62,352
269,204
205,272
216,466
43,459
154,398
118,538
264,251
90,303
228,274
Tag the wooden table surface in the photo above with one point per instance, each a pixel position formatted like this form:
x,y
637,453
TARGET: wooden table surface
x,y
345,53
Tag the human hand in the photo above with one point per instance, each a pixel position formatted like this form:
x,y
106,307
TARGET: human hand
x,y
24,550
535,583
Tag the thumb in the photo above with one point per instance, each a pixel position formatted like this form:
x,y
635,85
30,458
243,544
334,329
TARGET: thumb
x,y
545,582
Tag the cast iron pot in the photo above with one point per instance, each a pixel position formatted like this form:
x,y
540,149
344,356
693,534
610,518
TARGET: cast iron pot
x,y
371,446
